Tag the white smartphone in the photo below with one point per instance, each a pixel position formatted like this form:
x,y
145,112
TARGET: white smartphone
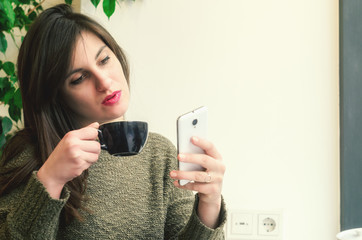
x,y
191,124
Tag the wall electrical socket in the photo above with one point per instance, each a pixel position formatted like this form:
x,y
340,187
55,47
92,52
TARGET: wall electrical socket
x,y
254,225
241,223
268,224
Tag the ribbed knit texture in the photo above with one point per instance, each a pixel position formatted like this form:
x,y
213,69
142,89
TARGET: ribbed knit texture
x,y
130,198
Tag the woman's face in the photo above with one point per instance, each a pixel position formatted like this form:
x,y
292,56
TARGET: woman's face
x,y
95,88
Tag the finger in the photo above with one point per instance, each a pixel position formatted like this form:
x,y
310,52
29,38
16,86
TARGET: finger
x,y
203,160
94,125
196,176
207,146
203,188
90,146
87,133
89,157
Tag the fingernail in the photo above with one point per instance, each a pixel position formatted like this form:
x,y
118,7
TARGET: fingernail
x,y
173,174
195,139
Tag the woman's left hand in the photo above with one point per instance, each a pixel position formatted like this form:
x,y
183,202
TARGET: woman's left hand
x,y
207,183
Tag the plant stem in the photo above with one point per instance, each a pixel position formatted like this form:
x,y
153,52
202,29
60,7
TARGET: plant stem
x,y
13,37
32,10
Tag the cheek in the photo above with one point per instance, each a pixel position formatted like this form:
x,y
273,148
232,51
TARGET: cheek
x,y
119,75
77,102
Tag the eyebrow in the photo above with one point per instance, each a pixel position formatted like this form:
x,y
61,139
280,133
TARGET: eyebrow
x,y
80,69
99,51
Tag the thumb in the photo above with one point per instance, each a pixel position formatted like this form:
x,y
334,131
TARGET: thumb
x,y
94,125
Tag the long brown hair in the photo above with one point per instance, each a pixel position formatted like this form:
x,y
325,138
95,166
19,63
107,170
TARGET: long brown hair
x,y
44,59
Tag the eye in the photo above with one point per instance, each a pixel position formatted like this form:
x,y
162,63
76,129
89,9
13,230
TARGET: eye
x,y
79,80
104,60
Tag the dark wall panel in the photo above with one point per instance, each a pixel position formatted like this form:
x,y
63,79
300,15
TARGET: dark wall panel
x,y
351,112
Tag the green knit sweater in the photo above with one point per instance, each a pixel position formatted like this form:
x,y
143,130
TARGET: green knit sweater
x,y
129,198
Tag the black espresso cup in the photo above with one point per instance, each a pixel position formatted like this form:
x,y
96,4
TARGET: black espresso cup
x,y
123,138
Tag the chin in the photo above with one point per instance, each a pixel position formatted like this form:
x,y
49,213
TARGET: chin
x,y
115,117
114,114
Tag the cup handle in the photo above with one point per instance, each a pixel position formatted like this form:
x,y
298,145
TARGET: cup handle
x,y
101,140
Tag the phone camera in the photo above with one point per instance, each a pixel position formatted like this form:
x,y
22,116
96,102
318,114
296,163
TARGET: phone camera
x,y
194,122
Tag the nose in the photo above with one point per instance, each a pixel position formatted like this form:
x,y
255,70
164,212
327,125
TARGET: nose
x,y
102,81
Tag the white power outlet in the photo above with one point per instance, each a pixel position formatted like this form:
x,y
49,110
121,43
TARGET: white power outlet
x,y
268,224
254,225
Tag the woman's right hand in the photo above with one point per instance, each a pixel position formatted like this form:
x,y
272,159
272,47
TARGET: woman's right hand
x,y
76,152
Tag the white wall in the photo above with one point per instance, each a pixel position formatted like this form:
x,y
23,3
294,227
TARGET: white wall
x,y
268,72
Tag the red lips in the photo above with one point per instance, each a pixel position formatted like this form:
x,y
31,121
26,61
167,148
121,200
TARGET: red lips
x,y
112,98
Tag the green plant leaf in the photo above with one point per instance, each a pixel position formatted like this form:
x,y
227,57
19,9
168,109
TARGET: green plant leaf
x,y
6,125
8,9
17,98
9,95
13,79
95,3
14,112
5,24
3,43
2,141
32,16
68,2
37,4
108,7
9,68
5,86
25,1
4,83
21,19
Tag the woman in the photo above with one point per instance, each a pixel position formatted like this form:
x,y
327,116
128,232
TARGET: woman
x,y
56,182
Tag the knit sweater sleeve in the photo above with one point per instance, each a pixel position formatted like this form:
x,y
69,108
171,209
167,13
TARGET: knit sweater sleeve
x,y
195,229
182,219
29,212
